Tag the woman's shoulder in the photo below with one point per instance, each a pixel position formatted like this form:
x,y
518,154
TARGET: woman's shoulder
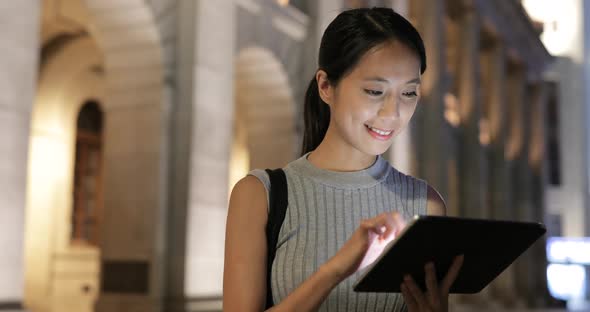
x,y
435,204
262,176
248,200
249,184
398,176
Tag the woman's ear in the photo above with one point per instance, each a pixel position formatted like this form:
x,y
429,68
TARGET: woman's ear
x,y
325,88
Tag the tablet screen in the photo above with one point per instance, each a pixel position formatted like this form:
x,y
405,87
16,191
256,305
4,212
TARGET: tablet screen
x,y
489,247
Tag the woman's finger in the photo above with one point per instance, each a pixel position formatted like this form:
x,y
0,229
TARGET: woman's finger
x,y
395,223
385,222
452,274
381,225
408,298
373,223
432,284
416,292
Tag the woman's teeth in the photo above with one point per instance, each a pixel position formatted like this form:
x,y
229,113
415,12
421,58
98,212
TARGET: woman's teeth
x,y
380,132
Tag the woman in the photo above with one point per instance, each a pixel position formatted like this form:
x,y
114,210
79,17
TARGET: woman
x,y
345,200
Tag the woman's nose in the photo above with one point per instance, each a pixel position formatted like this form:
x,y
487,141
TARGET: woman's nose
x,y
390,108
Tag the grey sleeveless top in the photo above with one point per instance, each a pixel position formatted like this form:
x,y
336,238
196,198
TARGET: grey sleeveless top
x,y
325,208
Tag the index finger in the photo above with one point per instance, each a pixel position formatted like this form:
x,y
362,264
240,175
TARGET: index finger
x,y
452,274
395,223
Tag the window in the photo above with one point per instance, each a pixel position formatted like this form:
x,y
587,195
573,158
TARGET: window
x,y
88,175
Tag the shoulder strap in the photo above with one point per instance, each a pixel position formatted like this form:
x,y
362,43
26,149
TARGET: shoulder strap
x,y
276,215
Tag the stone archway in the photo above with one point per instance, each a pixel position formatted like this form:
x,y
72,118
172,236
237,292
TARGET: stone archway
x,y
134,154
66,80
265,111
116,59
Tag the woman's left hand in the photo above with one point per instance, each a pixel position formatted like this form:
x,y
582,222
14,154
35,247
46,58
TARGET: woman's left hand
x,y
436,297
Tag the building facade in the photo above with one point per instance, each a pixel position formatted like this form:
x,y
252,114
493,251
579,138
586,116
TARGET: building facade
x,y
126,123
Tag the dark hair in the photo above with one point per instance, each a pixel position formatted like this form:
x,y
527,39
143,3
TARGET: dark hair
x,y
348,37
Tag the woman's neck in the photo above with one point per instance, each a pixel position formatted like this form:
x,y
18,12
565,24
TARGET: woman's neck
x,y
335,156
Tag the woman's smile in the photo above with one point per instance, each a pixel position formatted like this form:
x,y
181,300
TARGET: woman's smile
x,y
380,134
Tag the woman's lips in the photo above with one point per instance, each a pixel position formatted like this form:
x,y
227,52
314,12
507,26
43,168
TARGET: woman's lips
x,y
380,134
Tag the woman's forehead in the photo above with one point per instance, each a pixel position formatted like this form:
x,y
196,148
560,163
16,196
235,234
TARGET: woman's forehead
x,y
388,61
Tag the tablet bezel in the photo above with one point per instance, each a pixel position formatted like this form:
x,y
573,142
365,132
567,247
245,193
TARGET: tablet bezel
x,y
477,239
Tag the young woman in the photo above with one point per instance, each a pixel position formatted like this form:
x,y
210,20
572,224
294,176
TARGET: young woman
x,y
345,200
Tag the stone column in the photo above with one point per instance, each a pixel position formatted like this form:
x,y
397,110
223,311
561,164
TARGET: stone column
x,y
202,136
492,109
426,128
498,169
472,178
523,190
19,42
498,122
539,295
471,169
515,89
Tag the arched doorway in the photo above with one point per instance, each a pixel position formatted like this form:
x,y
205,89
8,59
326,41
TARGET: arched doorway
x,y
94,62
70,74
264,124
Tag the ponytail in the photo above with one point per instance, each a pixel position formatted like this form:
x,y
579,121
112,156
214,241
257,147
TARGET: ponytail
x,y
316,118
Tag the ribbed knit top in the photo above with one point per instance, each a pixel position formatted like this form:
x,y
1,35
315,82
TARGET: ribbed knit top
x,y
325,208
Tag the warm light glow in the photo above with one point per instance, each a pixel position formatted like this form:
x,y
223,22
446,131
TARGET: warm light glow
x,y
561,23
283,2
452,110
240,157
514,144
484,132
48,169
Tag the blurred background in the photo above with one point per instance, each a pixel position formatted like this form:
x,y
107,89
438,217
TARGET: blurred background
x,y
124,125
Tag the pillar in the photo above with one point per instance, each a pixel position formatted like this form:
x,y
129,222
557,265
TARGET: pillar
x,y
517,183
19,41
471,165
539,294
498,169
201,145
428,136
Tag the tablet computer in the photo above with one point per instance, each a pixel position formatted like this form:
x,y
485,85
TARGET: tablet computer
x,y
488,246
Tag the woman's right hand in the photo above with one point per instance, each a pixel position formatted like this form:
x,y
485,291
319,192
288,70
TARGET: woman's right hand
x,y
366,244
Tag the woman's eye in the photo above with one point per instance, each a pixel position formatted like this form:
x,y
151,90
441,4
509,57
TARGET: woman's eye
x,y
410,94
373,92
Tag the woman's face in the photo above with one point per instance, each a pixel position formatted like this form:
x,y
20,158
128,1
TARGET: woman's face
x,y
374,102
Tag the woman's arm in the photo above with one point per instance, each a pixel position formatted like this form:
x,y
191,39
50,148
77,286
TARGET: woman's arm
x,y
244,283
244,276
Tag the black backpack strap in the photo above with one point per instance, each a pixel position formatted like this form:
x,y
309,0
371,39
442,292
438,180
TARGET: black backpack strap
x,y
277,205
